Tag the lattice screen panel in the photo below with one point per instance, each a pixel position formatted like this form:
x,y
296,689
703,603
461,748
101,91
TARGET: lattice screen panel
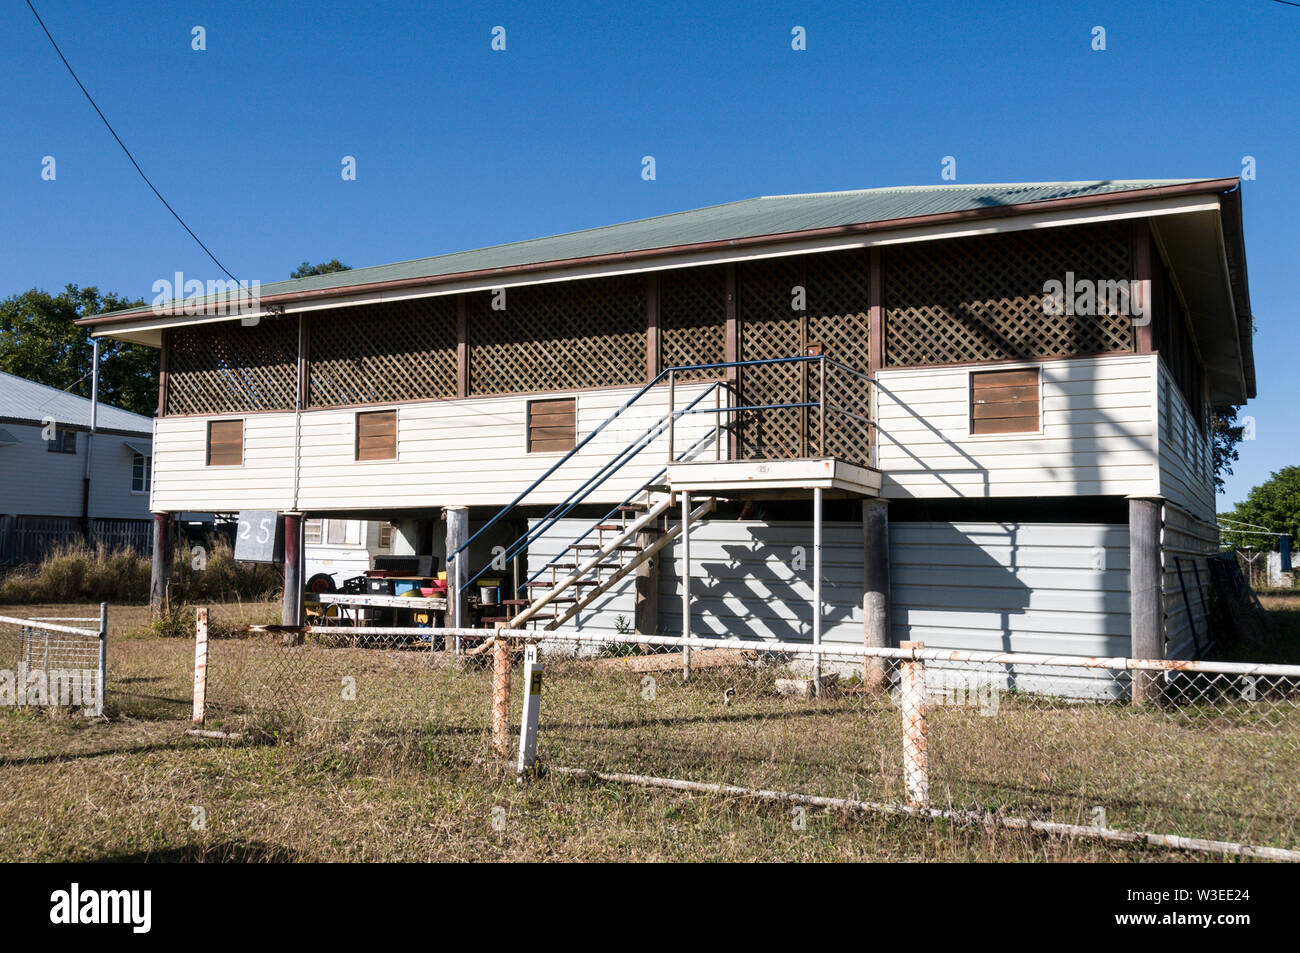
x,y
401,350
693,318
770,327
981,299
839,319
229,367
559,336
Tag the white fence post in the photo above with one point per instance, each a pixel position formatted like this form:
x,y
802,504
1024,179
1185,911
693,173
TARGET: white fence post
x,y
102,687
916,754
200,666
532,707
817,589
686,584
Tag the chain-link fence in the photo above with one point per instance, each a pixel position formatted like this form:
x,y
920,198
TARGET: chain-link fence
x,y
47,663
1054,742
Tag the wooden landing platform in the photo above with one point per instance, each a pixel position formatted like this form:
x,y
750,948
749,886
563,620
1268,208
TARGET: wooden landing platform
x,y
774,479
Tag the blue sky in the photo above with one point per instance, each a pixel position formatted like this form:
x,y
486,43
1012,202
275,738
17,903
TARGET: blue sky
x,y
458,146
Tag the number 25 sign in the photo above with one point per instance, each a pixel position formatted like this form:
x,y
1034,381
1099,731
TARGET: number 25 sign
x,y
259,537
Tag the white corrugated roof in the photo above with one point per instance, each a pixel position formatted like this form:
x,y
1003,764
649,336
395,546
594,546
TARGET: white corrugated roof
x,y
21,399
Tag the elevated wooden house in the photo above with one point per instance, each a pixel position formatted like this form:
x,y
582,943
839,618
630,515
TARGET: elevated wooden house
x,y
972,415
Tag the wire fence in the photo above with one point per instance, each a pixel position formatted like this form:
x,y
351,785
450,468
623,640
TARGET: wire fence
x,y
1212,754
47,664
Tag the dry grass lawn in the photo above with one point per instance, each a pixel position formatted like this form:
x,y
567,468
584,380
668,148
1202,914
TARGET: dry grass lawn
x,y
400,771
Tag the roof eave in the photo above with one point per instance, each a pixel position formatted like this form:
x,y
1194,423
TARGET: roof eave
x,y
997,211
1235,249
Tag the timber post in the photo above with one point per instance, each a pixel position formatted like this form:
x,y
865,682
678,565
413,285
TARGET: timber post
x,y
1146,607
875,592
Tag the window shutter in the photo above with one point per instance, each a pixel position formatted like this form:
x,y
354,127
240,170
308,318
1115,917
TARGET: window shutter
x,y
377,435
225,443
1004,401
552,425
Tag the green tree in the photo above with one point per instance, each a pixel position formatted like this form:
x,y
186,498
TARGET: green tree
x,y
307,269
1274,505
40,341
1225,432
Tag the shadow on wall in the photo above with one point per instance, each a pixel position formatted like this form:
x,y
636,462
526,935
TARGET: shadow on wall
x,y
990,586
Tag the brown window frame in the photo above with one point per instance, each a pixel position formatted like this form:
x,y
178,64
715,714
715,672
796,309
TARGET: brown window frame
x,y
554,420
216,423
372,453
1018,391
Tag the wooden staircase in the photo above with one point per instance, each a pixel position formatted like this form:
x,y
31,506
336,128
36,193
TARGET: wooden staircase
x,y
592,568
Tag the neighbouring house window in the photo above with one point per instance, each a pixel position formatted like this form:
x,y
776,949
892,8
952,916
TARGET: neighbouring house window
x,y
1004,401
64,441
552,425
141,472
225,443
377,435
311,531
385,535
342,532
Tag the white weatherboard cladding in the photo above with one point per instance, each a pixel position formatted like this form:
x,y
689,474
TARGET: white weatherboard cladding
x,y
462,452
1054,588
602,616
1186,459
1099,437
1098,433
182,481
1186,544
1049,588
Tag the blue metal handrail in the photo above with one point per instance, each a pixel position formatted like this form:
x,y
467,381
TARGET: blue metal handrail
x,y
544,525
614,416
669,419
562,509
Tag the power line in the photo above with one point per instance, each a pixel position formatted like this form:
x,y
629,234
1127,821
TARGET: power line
x,y
109,125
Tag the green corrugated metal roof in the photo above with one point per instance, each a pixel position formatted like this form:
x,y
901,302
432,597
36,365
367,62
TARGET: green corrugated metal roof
x,y
748,218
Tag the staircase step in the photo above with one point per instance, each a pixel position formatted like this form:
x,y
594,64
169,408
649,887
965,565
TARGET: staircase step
x,y
609,526
515,602
595,546
633,508
571,566
551,585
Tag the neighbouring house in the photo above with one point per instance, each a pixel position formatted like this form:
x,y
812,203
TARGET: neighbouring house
x,y
975,416
59,483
